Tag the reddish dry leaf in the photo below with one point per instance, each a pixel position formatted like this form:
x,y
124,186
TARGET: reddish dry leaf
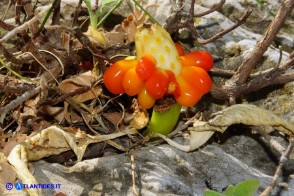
x,y
12,142
7,174
113,117
79,81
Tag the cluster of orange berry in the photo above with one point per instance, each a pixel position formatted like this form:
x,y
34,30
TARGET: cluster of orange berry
x,y
150,82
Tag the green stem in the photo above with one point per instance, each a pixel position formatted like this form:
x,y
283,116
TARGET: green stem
x,y
41,26
93,18
146,12
164,122
110,12
16,74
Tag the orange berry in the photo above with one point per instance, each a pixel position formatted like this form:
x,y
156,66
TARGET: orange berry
x,y
157,84
197,77
113,76
173,86
199,59
180,49
146,67
145,100
189,95
131,82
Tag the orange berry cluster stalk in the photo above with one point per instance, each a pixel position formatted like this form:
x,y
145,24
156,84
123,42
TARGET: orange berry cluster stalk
x,y
160,68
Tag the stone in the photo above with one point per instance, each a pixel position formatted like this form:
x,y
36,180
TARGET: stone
x,y
165,170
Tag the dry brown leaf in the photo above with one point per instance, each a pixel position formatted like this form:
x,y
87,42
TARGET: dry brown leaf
x,y
78,81
51,141
7,173
113,117
140,116
130,24
55,112
240,113
12,142
113,38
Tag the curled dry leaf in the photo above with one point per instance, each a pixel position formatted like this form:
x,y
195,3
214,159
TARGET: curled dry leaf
x,y
237,114
51,141
140,117
130,24
76,82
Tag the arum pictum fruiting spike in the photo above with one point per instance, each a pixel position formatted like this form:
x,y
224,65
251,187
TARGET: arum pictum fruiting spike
x,y
161,68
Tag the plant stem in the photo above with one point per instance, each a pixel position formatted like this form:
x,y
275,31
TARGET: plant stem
x,y
41,26
110,12
146,12
164,122
93,19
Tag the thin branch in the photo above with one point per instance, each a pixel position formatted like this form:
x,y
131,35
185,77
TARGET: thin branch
x,y
250,62
174,23
17,102
12,85
6,26
215,8
22,27
283,159
257,82
56,13
222,33
77,12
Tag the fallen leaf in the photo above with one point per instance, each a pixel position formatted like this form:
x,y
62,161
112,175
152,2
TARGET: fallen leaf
x,y
79,81
51,141
237,114
140,116
7,173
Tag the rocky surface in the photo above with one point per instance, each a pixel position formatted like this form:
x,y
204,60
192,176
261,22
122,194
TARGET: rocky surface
x,y
165,170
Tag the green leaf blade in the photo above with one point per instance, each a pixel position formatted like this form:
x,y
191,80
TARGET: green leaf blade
x,y
212,193
246,188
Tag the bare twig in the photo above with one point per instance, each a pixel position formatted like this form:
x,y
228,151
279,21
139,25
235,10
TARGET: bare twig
x,y
12,85
56,13
250,62
18,101
22,27
77,12
269,141
283,159
213,9
222,33
175,23
133,168
258,81
6,26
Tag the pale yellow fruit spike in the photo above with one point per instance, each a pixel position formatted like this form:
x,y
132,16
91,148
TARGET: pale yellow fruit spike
x,y
156,41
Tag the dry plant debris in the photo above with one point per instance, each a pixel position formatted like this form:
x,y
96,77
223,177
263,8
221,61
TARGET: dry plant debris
x,y
52,141
237,114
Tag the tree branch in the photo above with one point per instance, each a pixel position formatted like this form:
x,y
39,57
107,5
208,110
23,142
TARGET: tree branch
x,y
260,48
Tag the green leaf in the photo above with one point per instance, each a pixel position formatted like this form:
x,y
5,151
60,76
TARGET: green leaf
x,y
229,190
105,3
246,188
212,193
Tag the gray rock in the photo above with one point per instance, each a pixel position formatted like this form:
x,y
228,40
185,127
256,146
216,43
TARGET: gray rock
x,y
164,170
